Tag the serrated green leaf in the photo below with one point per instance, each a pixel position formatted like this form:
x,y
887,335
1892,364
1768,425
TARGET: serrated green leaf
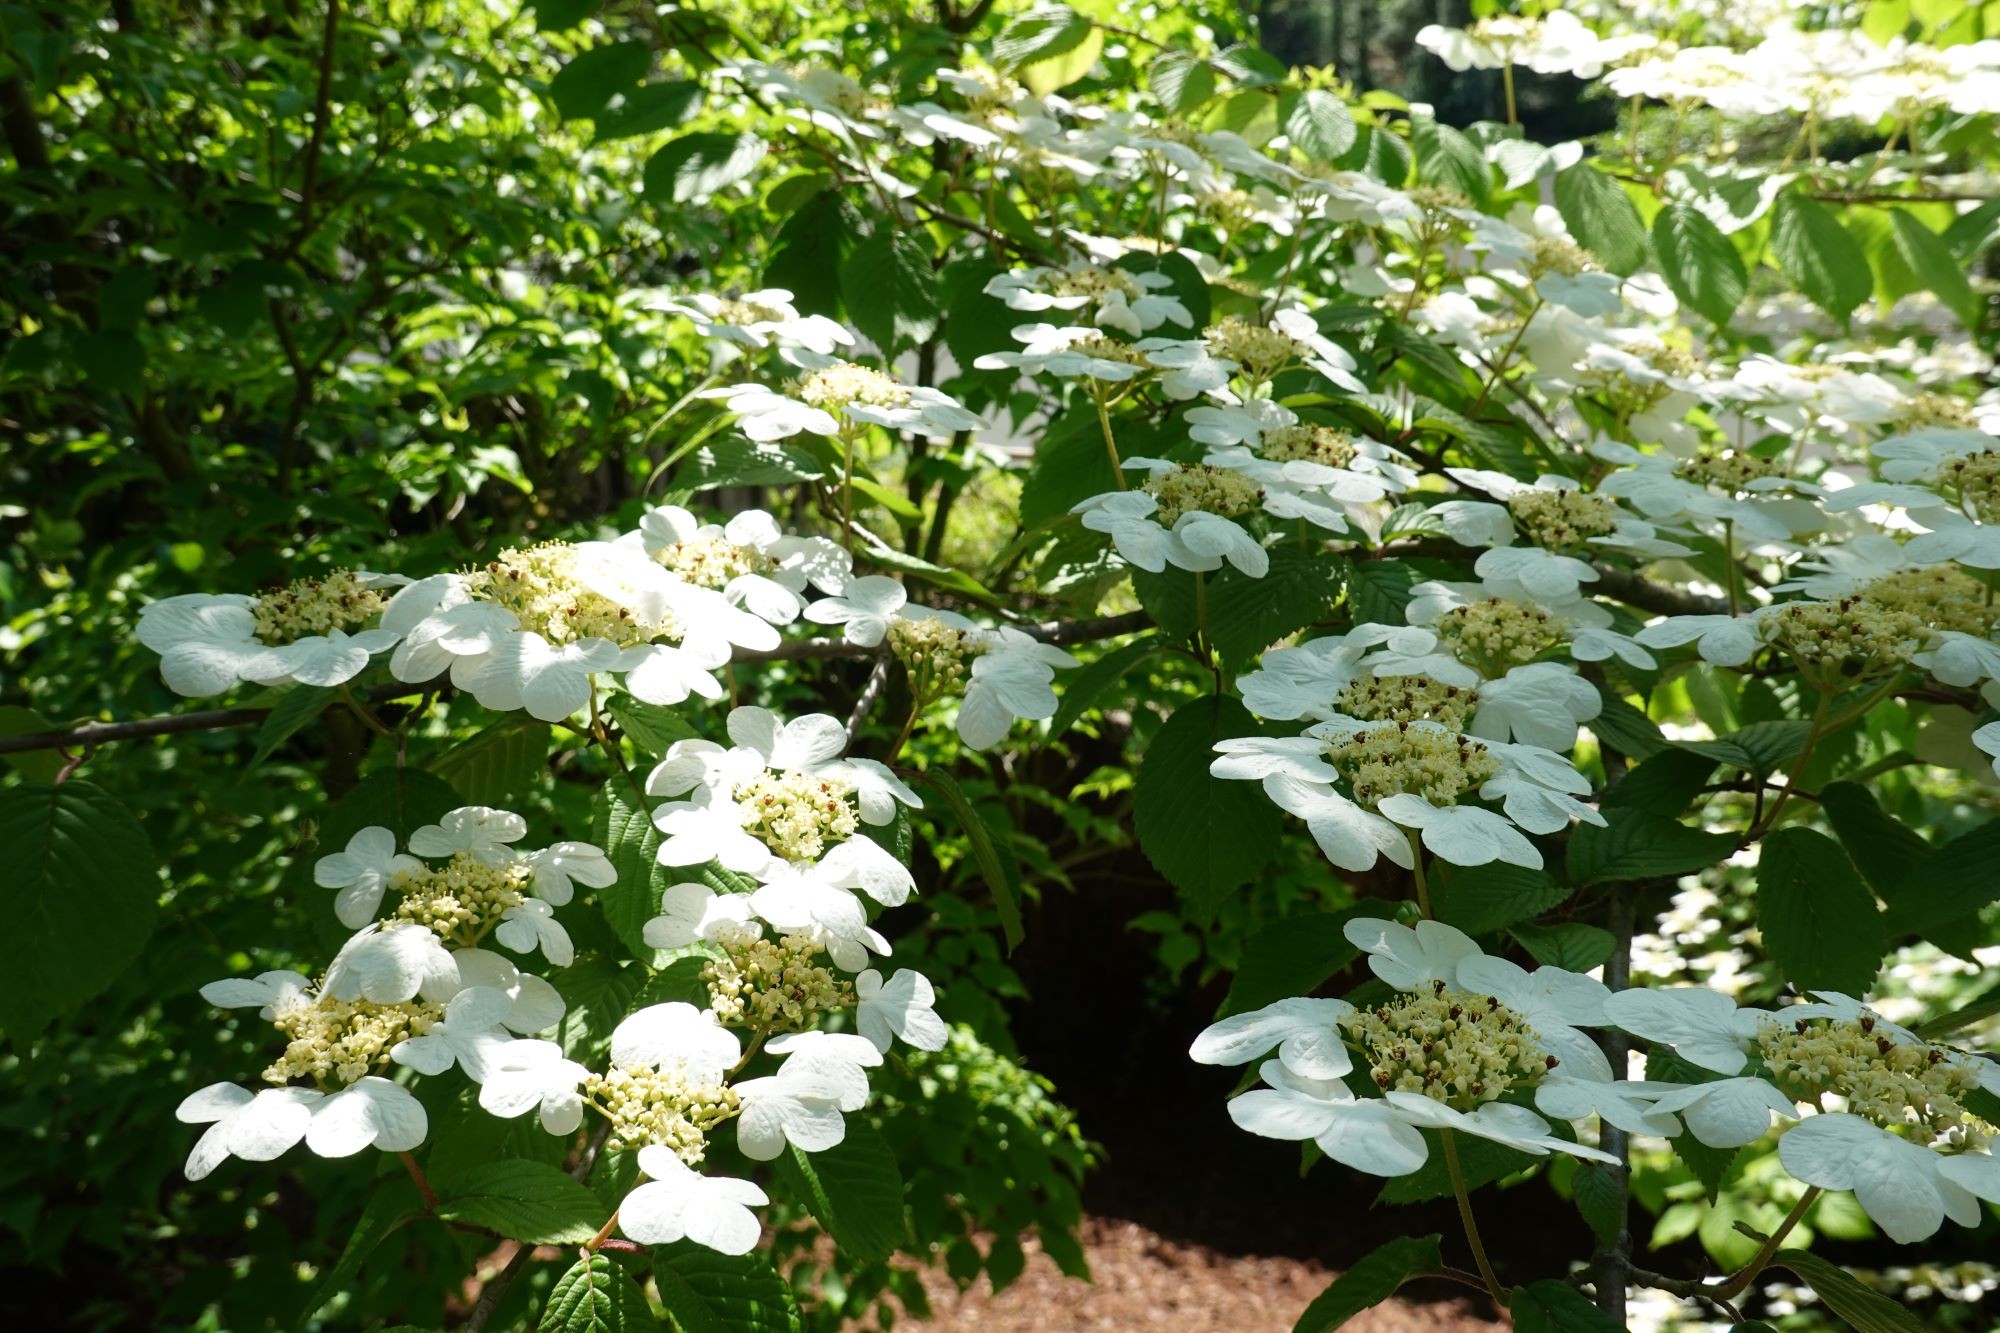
x,y
1818,919
34,765
707,1292
1477,899
738,462
1866,1310
652,727
808,251
394,1203
1207,835
1570,945
1638,844
679,981
1601,217
1934,266
590,79
1600,1198
526,1201
694,166
1293,955
1957,880
1181,80
1082,689
498,765
299,705
625,831
855,1189
1317,122
82,894
891,289
996,863
1710,1166
1550,1306
1827,265
1625,729
647,109
1699,263
1883,850
595,1296
1759,748
1369,1281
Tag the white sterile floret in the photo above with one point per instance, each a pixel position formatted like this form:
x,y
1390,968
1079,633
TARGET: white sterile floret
x,y
558,869
864,607
1555,1003
1725,1113
1704,1027
1069,353
1305,1032
1987,738
1622,1105
1504,1123
676,1033
823,1075
1540,704
1368,1135
481,831
471,1033
363,873
819,901
319,631
1407,957
257,1127
536,1005
1907,1189
1128,300
391,963
1011,679
1183,515
680,1203
757,320
902,1006
749,559
693,913
526,1075
267,992
530,925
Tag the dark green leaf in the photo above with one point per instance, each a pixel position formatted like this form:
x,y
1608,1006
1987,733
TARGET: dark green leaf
x,y
498,765
1600,1199
808,251
1759,748
1601,216
528,1201
1931,260
1550,1306
1043,33
34,765
595,1296
707,1292
891,289
1625,729
581,88
1082,689
1482,1160
626,833
1817,918
855,1189
299,705
652,727
1369,1281
1864,1309
1698,262
1477,899
1883,850
647,109
694,166
1293,955
81,894
1638,844
739,462
1571,945
1825,263
1207,835
1957,880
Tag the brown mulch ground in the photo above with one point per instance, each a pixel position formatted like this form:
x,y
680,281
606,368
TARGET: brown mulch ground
x,y
1145,1281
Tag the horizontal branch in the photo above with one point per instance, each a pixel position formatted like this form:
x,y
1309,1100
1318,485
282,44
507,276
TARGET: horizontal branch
x,y
90,735
1632,590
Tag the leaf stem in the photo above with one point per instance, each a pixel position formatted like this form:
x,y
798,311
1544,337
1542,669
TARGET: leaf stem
x,y
1417,870
1740,1280
1458,1192
1110,442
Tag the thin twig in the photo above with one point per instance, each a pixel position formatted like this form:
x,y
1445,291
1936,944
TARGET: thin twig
x,y
878,680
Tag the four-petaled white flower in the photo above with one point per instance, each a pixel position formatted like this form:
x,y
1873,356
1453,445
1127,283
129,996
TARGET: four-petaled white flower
x,y
531,924
680,1203
1306,1033
469,1035
902,1007
523,1075
363,873
480,831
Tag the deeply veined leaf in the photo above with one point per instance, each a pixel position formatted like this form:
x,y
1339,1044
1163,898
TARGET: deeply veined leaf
x,y
1816,916
1816,253
694,166
595,1296
1369,1281
1207,835
855,1189
1601,217
1699,263
890,289
526,1201
1931,260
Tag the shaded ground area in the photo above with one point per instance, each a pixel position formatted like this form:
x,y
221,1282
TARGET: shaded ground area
x,y
1144,1281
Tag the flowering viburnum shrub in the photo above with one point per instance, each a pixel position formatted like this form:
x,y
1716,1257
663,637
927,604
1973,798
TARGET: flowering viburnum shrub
x,y
1531,607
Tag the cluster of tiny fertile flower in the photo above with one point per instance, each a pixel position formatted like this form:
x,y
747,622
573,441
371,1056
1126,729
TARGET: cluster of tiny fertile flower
x,y
1325,445
338,1041
1629,395
664,1106
1437,202
1233,210
774,985
1459,1049
996,90
1201,488
795,814
314,606
708,561
463,900
934,653
1259,350
1554,254
1898,1085
1104,347
1498,633
1372,698
845,384
1924,411
1559,520
1096,282
1849,639
745,313
1943,596
1974,481
1389,760
540,585
1731,469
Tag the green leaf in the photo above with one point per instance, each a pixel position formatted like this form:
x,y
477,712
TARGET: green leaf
x,y
393,1204
1866,1310
1550,1306
595,1296
1957,880
891,289
1446,157
707,1292
1710,1166
34,765
1759,748
1082,689
1883,850
1293,956
996,863
401,800
1070,464
296,707
498,765
1317,122
582,87
625,831
649,108
737,462
1369,1281
652,727
1207,835
1482,1160
1818,919
1625,729
1570,945
1246,615
1190,287
81,894
1698,262
1663,784
679,980
1601,216
1825,263
855,1189
1477,899
1181,80
1638,844
1043,33
526,1201
808,251
1600,1199
694,166
1043,77
1931,260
